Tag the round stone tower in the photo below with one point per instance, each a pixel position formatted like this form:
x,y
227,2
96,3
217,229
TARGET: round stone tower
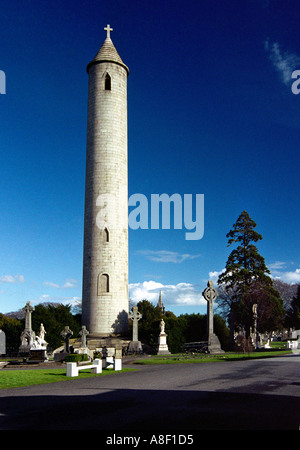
x,y
105,259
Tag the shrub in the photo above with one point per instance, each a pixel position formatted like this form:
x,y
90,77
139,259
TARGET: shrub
x,y
77,357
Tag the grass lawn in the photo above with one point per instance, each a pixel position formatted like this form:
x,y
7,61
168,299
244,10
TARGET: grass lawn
x,y
18,378
205,358
13,378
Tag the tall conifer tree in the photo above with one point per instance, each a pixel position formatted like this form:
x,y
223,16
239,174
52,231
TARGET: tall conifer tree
x,y
244,265
246,277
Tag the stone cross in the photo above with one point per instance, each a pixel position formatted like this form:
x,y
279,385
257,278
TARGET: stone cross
x,y
210,294
83,333
66,334
27,336
135,316
213,344
28,311
108,29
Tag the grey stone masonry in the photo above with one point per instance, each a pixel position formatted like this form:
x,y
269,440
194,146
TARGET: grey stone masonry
x,y
105,262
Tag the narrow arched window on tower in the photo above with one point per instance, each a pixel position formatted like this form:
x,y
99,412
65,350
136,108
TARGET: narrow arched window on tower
x,y
103,284
105,235
107,84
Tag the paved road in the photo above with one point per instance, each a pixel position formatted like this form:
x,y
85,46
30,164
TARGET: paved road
x,y
245,395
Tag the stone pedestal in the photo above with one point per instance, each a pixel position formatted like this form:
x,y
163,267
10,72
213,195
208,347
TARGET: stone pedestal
x,y
214,346
112,346
83,351
135,347
38,355
162,348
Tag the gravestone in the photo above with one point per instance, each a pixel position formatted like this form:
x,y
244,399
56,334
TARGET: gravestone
x,y
60,354
2,343
83,333
210,294
83,349
66,334
135,346
28,335
162,348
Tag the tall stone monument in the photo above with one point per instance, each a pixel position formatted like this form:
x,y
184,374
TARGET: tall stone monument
x,y
28,335
162,347
210,294
105,302
135,345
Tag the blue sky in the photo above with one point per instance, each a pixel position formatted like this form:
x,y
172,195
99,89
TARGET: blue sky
x,y
210,111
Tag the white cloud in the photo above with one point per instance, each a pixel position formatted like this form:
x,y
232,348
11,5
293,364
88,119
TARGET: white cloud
x,y
180,294
69,283
290,277
277,265
49,283
213,276
166,256
284,62
12,279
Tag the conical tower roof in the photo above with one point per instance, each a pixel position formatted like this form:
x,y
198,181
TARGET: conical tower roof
x,y
107,53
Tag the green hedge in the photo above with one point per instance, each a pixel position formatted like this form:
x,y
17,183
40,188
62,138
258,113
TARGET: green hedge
x,y
77,357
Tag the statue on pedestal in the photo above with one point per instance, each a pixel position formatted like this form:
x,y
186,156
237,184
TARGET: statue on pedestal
x,y
162,348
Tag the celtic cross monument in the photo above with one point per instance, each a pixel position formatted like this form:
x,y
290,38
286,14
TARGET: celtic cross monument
x,y
210,294
135,345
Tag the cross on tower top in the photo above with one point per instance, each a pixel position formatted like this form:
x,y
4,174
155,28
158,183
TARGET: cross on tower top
x,y
108,29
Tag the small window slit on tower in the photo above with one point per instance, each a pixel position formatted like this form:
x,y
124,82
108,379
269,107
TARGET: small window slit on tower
x,y
105,235
107,84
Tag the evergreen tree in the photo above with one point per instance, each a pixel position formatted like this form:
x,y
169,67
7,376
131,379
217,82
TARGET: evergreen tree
x,y
244,265
55,317
148,326
246,279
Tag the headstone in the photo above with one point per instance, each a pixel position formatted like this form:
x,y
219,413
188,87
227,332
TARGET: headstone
x,y
210,294
2,343
66,334
27,336
162,348
83,349
135,345
83,333
296,334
